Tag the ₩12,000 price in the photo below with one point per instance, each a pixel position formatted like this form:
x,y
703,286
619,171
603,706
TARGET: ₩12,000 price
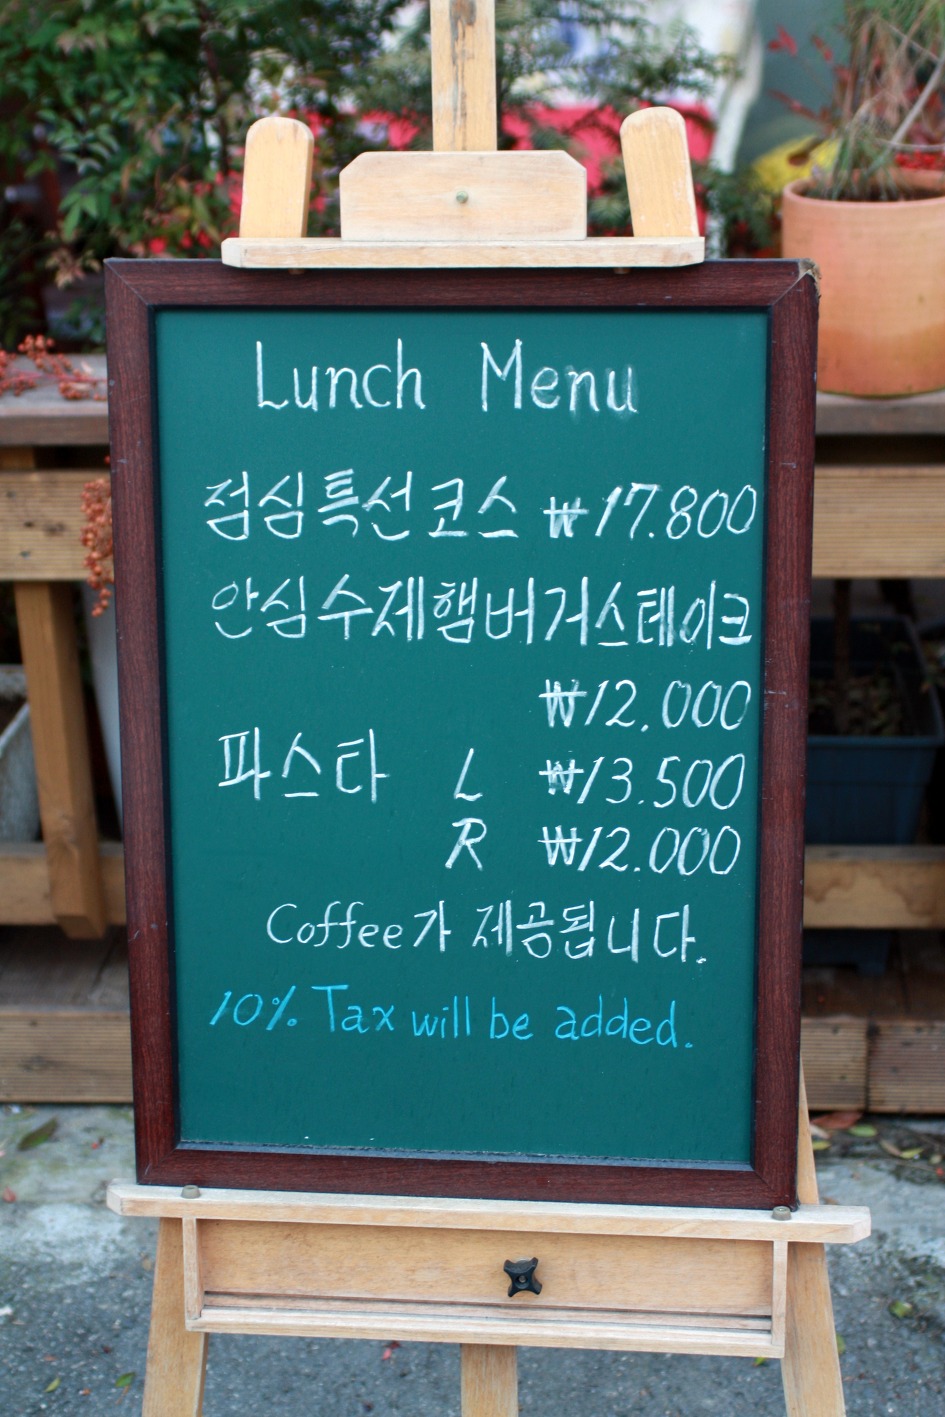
x,y
699,847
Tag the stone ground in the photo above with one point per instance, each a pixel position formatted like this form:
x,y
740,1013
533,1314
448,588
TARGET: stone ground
x,y
75,1290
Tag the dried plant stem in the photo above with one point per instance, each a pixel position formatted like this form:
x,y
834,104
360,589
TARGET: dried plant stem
x,y
935,78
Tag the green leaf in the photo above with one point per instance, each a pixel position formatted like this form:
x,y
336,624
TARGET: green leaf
x,y
125,1380
51,1387
841,1344
38,1135
912,1154
820,1146
760,1362
900,1308
862,1129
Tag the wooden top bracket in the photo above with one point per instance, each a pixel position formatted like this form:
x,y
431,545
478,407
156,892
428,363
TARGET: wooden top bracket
x,y
465,204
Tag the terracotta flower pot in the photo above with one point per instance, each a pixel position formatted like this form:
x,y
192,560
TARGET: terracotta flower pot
x,y
882,308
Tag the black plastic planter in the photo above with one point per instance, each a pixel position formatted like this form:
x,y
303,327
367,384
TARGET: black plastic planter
x,y
864,790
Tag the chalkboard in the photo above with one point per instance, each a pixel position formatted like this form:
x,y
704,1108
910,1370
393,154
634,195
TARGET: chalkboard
x,y
463,633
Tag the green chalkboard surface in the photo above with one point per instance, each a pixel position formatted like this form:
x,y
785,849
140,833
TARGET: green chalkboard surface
x,y
463,611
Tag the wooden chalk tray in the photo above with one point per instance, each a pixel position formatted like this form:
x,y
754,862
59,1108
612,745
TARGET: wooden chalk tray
x,y
647,1278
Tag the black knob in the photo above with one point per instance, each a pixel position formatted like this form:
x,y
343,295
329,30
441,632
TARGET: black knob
x,y
522,1275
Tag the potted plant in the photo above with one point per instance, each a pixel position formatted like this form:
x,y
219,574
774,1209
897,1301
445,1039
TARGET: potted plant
x,y
872,213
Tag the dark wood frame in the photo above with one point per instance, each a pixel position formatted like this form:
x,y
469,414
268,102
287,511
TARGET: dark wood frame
x,y
785,291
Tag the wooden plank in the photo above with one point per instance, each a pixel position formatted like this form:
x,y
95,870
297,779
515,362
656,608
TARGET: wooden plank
x,y
875,887
659,176
177,1359
835,1055
194,1287
907,1066
921,413
879,521
560,1329
43,418
41,523
277,178
25,895
462,56
779,1269
833,1224
64,1055
17,459
459,1314
409,1264
489,1381
334,253
464,197
46,621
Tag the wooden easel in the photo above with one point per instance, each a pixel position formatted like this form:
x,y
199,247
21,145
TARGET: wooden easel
x,y
633,1278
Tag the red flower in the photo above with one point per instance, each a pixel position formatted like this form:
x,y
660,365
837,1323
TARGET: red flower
x,y
783,41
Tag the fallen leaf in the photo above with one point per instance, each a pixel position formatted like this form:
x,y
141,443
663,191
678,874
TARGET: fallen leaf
x,y
936,1158
125,1380
841,1344
820,1146
818,1133
389,1350
913,1153
97,1144
38,1135
900,1309
760,1362
862,1129
53,1385
837,1121
85,1392
889,1149
9,1196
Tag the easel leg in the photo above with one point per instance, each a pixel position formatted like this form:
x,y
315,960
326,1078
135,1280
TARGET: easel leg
x,y
489,1380
810,1367
177,1360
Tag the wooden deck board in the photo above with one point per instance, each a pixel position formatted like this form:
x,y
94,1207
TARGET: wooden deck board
x,y
42,417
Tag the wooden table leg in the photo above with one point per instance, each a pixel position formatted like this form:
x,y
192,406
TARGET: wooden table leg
x,y
177,1359
45,617
810,1368
489,1380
